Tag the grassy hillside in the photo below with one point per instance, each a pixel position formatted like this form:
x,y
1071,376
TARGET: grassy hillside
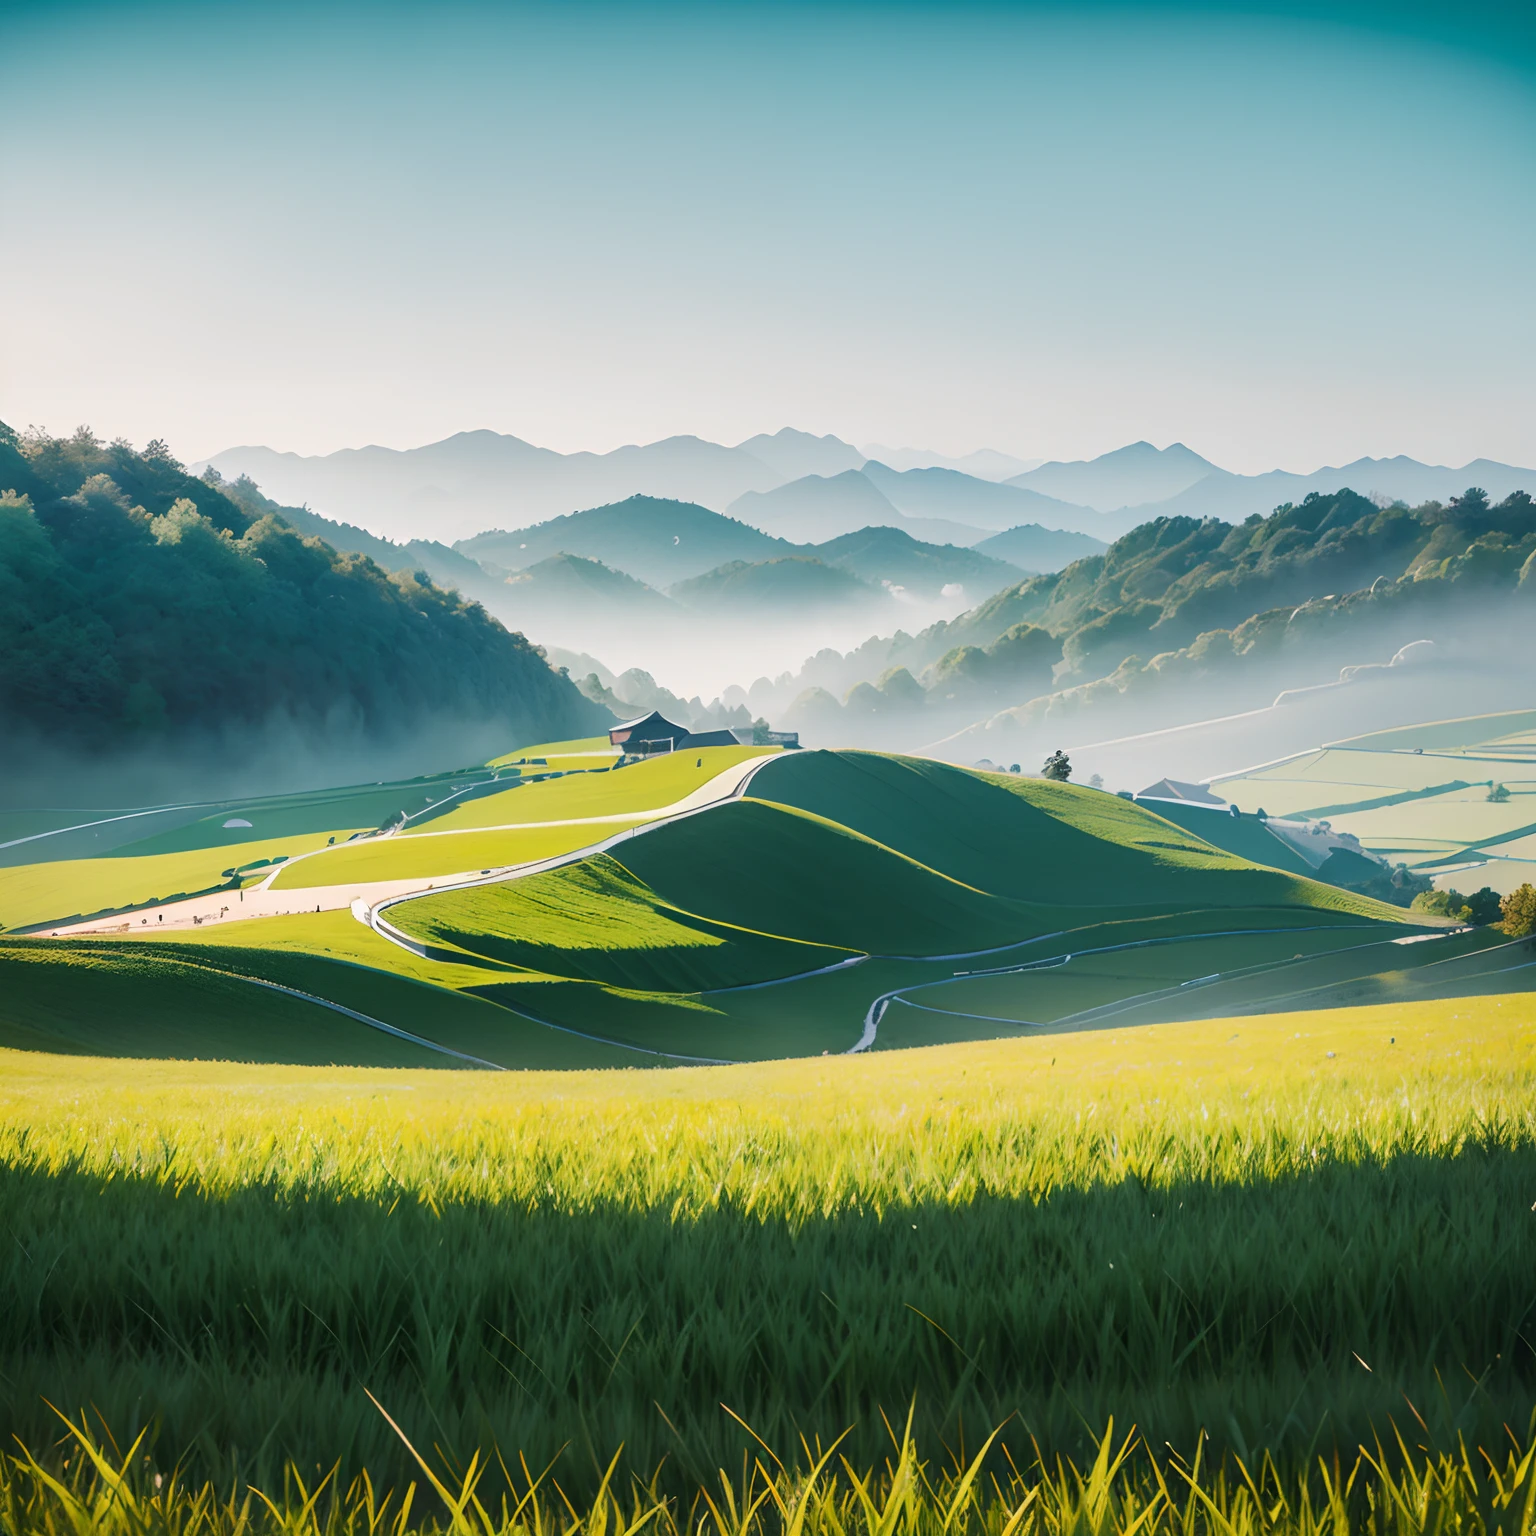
x,y
136,1001
772,924
807,916
1056,845
1198,1229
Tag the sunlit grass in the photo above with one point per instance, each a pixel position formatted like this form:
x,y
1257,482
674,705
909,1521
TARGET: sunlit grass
x,y
1289,1233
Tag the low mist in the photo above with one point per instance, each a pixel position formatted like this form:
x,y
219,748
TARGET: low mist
x,y
280,755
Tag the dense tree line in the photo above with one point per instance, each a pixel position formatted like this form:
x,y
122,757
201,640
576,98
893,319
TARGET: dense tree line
x,y
140,606
1186,600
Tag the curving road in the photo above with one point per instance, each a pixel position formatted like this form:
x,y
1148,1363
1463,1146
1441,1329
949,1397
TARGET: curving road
x,y
265,900
730,784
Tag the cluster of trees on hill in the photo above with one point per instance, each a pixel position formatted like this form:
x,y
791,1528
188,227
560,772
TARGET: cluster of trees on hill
x,y
141,608
1182,601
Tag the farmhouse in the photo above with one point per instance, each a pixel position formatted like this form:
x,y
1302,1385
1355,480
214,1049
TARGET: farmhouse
x,y
647,734
652,734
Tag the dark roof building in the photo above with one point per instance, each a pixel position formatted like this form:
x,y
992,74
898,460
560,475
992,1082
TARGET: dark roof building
x,y
649,733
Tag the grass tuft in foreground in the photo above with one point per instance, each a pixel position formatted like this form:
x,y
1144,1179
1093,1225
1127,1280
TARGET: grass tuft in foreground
x,y
1124,1490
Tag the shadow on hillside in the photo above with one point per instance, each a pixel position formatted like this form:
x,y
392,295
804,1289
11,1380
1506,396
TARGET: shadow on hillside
x,y
1295,1314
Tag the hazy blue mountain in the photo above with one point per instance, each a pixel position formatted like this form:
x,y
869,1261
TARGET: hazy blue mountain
x,y
1128,477
816,507
1234,497
984,463
796,584
655,540
563,582
819,507
888,555
791,454
1036,549
475,480
946,493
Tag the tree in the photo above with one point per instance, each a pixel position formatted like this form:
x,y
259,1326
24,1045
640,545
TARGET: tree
x,y
1498,793
1519,910
1483,907
1058,766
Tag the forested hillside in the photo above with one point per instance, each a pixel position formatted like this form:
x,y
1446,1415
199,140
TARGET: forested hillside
x,y
142,609
1197,614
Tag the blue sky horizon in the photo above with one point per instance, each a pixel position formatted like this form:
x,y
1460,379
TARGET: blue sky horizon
x,y
1285,234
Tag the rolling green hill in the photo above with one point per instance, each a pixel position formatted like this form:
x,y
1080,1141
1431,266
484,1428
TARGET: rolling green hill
x,y
843,900
1054,845
772,924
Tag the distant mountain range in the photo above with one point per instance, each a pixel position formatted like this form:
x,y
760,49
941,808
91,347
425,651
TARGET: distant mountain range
x,y
665,542
1132,476
801,488
596,576
657,540
1235,497
984,464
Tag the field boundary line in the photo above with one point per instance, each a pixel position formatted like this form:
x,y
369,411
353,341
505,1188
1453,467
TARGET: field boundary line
x,y
877,1009
351,1013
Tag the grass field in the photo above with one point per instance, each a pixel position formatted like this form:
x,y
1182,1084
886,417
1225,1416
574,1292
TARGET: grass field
x,y
645,786
1290,1233
442,853
34,894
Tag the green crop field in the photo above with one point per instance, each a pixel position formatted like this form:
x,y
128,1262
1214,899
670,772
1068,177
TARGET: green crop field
x,y
1290,1235
1419,796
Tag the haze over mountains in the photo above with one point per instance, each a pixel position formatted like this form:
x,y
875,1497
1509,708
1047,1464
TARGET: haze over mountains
x,y
802,488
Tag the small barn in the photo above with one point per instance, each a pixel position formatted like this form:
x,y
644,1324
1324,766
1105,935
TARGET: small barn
x,y
1186,794
647,734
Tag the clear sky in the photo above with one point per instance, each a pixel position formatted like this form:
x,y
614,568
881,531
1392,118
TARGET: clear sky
x,y
1283,237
